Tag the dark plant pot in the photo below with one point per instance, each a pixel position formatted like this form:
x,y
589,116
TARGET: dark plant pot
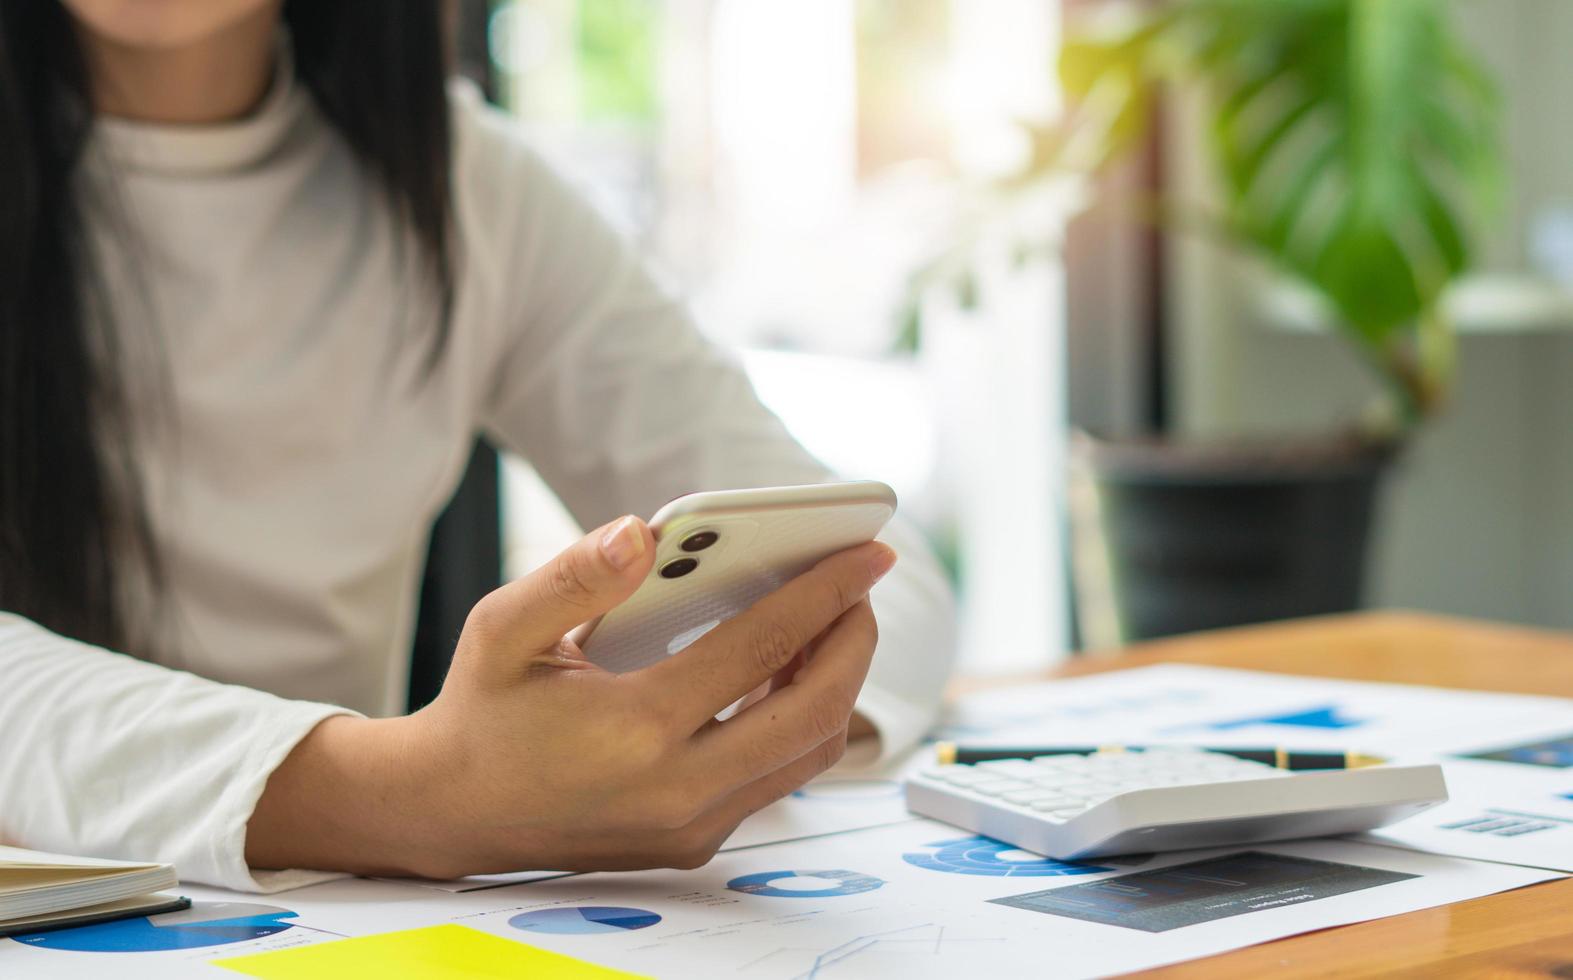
x,y
1172,537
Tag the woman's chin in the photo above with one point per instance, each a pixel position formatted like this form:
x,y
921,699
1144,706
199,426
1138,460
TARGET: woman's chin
x,y
163,24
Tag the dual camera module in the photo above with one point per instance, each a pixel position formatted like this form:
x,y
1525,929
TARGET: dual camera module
x,y
698,541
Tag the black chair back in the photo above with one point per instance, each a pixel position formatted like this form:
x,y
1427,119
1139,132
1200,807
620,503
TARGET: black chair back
x,y
463,563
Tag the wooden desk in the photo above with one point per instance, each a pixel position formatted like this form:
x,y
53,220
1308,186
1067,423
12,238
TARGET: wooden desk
x,y
1524,933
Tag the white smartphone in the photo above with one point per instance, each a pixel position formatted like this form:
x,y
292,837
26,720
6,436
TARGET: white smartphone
x,y
720,551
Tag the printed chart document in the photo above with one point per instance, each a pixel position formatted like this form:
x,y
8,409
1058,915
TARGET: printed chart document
x,y
831,804
1179,703
920,898
433,951
1503,806
1507,758
925,900
838,881
171,944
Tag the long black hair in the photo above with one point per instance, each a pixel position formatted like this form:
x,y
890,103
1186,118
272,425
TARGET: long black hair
x,y
71,509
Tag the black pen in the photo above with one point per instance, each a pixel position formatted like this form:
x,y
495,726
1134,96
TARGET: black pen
x,y
950,752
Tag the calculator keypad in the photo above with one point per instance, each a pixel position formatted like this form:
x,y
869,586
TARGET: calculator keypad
x,y
1058,787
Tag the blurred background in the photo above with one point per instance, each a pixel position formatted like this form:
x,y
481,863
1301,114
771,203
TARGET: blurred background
x,y
838,188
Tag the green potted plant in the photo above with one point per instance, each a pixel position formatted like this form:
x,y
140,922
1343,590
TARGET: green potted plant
x,y
1355,148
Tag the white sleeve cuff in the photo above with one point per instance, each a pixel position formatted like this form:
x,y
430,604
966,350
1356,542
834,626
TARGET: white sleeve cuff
x,y
223,864
109,756
917,643
899,725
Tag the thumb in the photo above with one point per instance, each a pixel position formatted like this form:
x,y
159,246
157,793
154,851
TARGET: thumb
x,y
592,576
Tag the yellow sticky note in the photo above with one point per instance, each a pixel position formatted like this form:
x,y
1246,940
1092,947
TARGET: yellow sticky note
x,y
419,954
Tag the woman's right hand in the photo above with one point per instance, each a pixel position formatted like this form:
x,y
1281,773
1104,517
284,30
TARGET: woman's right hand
x,y
532,757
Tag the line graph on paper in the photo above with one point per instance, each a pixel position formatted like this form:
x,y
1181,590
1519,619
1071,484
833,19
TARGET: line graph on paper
x,y
1322,716
985,716
936,944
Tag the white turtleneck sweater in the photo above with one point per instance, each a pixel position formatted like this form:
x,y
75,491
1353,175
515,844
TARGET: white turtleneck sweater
x,y
301,456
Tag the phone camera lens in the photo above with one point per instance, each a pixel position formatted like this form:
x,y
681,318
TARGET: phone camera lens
x,y
700,540
678,567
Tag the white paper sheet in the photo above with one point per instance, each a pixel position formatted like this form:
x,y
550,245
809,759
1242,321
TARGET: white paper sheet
x,y
175,944
835,803
1178,703
848,799
475,883
1499,810
918,899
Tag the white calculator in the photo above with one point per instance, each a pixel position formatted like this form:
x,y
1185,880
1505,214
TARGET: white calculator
x,y
1079,806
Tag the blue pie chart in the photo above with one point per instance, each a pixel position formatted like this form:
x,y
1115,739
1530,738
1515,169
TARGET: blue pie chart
x,y
836,882
996,859
204,924
583,920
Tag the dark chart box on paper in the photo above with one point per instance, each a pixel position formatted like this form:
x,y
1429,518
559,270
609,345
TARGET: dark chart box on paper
x,y
1203,891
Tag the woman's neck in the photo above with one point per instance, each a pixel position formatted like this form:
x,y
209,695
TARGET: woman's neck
x,y
221,78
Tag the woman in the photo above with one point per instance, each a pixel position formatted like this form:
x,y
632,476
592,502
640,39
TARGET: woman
x,y
263,279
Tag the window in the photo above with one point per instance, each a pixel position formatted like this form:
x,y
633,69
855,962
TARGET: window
x,y
791,164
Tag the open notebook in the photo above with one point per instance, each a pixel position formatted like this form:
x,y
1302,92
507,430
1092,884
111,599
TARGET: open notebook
x,y
47,891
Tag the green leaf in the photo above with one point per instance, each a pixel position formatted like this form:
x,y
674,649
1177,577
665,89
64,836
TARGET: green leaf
x,y
909,327
1357,142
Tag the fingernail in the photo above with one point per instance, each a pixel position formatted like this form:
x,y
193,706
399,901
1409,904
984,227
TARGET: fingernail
x,y
622,543
883,561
